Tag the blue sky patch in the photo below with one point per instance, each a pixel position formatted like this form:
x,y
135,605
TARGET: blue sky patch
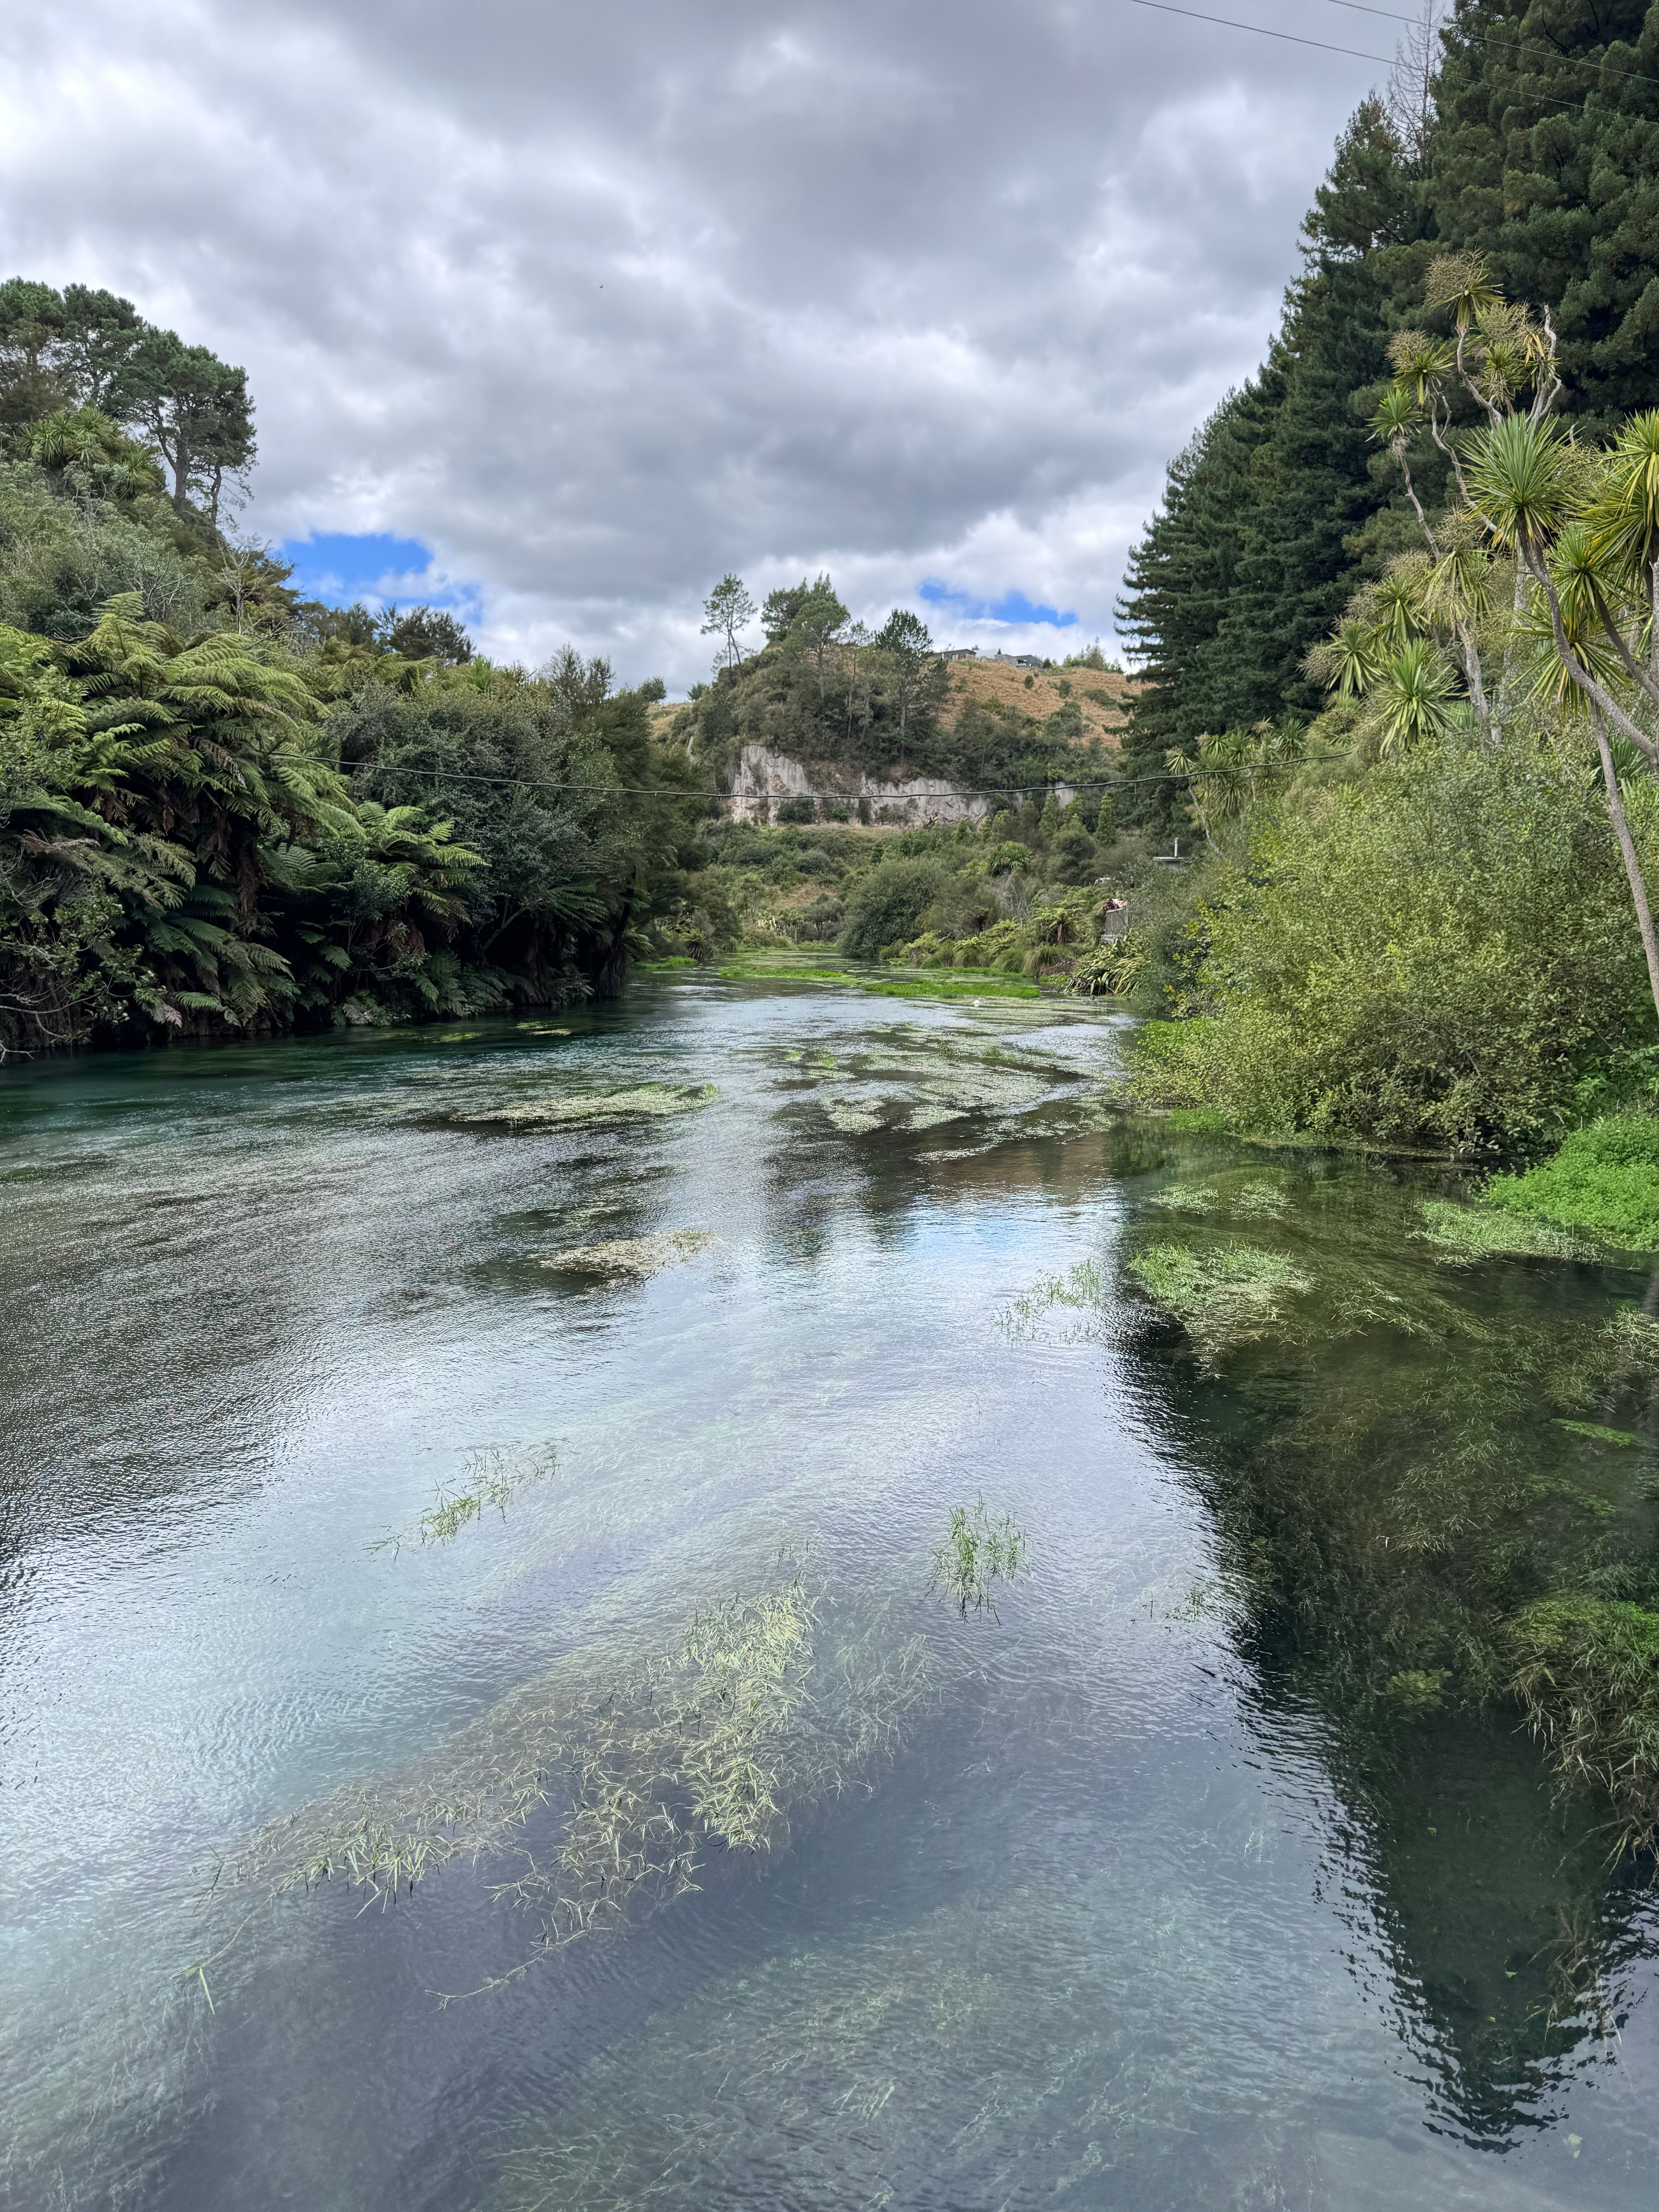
x,y
338,567
1011,607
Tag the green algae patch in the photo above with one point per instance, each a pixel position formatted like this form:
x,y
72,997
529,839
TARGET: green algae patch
x,y
646,1102
635,1259
1604,1179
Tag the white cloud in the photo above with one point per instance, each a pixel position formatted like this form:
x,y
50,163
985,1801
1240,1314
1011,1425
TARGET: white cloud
x,y
601,305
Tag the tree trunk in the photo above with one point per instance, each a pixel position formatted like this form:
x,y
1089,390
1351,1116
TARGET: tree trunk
x,y
1627,847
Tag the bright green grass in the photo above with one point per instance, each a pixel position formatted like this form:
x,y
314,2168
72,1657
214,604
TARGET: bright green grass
x,y
1604,1178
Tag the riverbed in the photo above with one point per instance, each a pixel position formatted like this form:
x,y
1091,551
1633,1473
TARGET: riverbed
x,y
417,1443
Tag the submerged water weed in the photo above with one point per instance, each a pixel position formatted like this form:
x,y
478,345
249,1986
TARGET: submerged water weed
x,y
1254,1199
1221,1294
1418,1690
1587,1673
1187,1198
1602,1435
492,1478
980,1550
638,1258
1083,1288
915,1080
645,1102
1482,1232
766,1705
968,2054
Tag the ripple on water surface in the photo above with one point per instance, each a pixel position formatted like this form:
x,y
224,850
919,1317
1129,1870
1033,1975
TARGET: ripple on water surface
x,y
519,1458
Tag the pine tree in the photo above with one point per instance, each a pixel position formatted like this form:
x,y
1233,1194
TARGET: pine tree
x,y
1260,540
1545,161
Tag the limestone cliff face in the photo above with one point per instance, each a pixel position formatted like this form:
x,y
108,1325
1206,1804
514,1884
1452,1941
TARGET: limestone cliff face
x,y
764,776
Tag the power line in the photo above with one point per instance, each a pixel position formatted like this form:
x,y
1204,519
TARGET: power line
x,y
843,798
1496,38
1229,22
1386,61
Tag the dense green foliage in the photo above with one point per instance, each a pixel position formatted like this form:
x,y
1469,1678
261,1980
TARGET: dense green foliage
x,y
1538,152
187,843
1604,1178
1439,956
888,904
221,809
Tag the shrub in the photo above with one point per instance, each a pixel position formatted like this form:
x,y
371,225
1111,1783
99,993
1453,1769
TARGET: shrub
x,y
1434,958
885,906
1605,1178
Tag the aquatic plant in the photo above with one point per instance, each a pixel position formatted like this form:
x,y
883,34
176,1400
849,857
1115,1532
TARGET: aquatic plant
x,y
1587,1673
638,1257
980,1549
1253,1197
1604,1178
1222,1294
1622,1437
645,1102
765,1706
1086,1287
1473,1231
493,1478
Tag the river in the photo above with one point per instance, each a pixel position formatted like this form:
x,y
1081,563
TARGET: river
x,y
520,1444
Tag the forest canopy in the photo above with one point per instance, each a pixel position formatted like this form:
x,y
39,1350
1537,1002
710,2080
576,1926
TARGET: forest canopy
x,y
223,808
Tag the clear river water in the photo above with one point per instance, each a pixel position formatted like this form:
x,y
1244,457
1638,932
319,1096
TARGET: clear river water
x,y
491,1456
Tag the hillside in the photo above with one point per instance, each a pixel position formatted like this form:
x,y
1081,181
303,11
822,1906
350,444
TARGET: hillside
x,y
1102,697
988,720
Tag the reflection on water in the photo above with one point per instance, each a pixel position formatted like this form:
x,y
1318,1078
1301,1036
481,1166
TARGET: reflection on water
x,y
1210,1870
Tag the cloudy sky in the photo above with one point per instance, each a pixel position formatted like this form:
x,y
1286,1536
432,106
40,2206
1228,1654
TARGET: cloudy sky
x,y
558,313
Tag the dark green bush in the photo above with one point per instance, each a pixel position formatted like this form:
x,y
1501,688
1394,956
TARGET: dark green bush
x,y
885,906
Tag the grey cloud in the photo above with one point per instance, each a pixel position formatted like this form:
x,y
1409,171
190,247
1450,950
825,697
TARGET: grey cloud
x,y
602,303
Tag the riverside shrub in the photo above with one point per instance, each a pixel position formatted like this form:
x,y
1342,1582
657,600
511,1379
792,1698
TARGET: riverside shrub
x,y
885,906
1604,1178
1436,958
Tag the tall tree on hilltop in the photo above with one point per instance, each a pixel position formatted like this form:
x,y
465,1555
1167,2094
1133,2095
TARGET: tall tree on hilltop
x,y
196,410
820,622
728,612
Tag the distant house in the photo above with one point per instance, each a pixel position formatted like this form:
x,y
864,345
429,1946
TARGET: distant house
x,y
1018,660
959,653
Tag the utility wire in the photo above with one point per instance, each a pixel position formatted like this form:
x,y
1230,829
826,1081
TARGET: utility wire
x,y
1324,46
1496,39
842,798
1229,22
